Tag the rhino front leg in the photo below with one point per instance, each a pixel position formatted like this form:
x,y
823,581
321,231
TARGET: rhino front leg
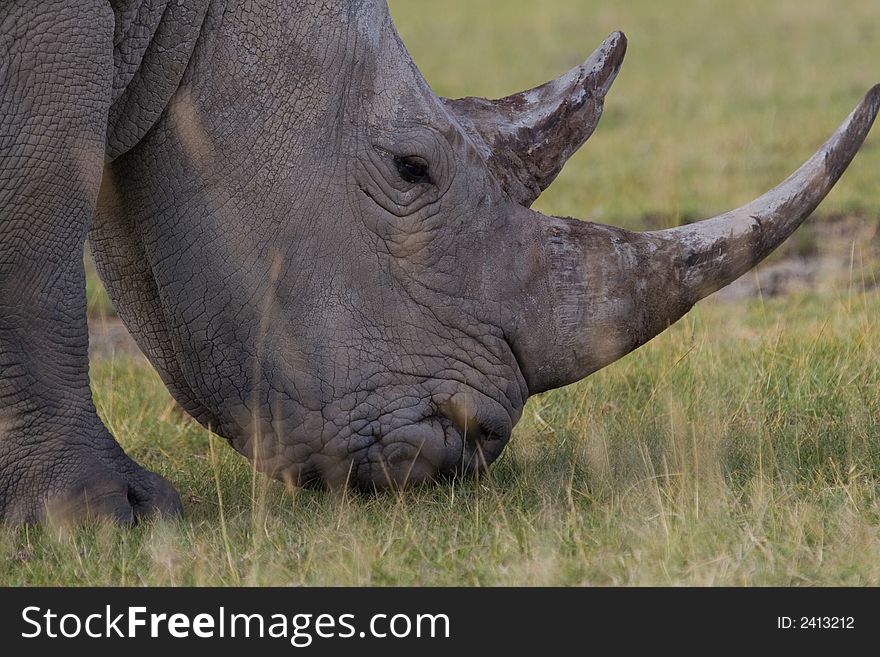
x,y
57,460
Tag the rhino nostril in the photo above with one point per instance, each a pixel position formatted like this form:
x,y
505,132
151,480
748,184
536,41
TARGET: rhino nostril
x,y
476,433
476,421
484,427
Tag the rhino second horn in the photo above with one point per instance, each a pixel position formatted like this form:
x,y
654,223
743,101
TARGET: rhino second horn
x,y
527,137
599,291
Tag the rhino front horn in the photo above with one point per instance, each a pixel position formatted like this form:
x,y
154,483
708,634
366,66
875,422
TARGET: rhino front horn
x,y
593,293
527,137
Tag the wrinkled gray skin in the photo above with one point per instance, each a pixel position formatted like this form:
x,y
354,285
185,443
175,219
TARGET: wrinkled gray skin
x,y
330,266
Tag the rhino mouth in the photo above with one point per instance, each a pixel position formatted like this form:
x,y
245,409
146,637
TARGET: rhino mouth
x,y
446,444
456,438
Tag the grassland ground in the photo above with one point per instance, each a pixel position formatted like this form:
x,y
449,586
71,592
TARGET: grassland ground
x,y
742,446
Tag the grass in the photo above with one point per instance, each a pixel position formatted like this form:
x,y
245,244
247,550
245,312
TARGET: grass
x,y
742,446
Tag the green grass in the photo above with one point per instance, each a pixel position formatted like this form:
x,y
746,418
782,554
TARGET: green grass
x,y
98,304
742,446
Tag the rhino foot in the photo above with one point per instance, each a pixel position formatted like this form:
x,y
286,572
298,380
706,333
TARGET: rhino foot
x,y
80,483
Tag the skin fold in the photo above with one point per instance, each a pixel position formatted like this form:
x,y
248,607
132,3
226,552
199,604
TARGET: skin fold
x,y
328,265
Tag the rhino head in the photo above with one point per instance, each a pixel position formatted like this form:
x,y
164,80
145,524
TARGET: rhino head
x,y
338,271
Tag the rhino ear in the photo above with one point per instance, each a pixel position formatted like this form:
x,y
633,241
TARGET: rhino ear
x,y
527,137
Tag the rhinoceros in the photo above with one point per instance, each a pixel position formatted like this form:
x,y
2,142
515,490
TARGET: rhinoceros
x,y
329,266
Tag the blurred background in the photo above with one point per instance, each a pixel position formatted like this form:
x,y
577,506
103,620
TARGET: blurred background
x,y
716,102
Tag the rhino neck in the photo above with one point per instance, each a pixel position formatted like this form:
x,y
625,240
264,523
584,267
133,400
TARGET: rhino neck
x,y
230,180
273,78
223,50
153,43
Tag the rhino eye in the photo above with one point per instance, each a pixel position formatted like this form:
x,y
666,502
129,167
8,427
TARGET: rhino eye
x,y
412,169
